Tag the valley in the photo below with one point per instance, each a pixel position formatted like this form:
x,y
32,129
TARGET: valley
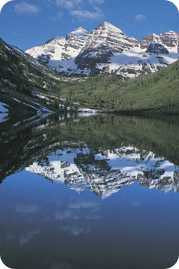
x,y
89,134
34,86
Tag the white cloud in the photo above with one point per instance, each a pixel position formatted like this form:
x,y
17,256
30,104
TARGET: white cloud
x,y
140,17
69,4
96,2
26,8
86,14
82,9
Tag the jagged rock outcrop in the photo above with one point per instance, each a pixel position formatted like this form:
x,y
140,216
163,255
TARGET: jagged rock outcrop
x,y
157,48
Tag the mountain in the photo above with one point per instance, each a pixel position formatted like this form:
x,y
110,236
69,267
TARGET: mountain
x,y
26,87
107,50
60,53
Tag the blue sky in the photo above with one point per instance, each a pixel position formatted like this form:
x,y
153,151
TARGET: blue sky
x,y
26,23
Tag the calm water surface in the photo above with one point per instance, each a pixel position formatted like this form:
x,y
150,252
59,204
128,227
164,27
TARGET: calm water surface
x,y
98,193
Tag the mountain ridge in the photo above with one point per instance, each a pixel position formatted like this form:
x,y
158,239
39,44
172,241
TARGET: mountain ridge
x,y
107,49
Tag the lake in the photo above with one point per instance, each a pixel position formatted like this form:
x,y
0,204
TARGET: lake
x,y
96,192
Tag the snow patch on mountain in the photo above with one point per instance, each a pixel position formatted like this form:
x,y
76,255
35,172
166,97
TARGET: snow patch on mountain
x,y
136,62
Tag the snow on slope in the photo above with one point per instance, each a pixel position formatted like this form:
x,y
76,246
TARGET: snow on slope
x,y
60,53
53,48
107,49
135,62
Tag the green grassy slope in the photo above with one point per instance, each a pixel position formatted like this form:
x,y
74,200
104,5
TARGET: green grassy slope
x,y
157,92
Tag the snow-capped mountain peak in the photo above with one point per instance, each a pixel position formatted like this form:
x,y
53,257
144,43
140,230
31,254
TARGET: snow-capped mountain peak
x,y
107,49
109,27
55,40
58,53
79,31
76,40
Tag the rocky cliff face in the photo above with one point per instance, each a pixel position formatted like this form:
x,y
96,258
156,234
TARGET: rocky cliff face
x,y
105,41
107,50
157,48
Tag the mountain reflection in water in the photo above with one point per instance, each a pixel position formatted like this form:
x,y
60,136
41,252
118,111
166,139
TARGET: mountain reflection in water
x,y
105,172
101,154
133,162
